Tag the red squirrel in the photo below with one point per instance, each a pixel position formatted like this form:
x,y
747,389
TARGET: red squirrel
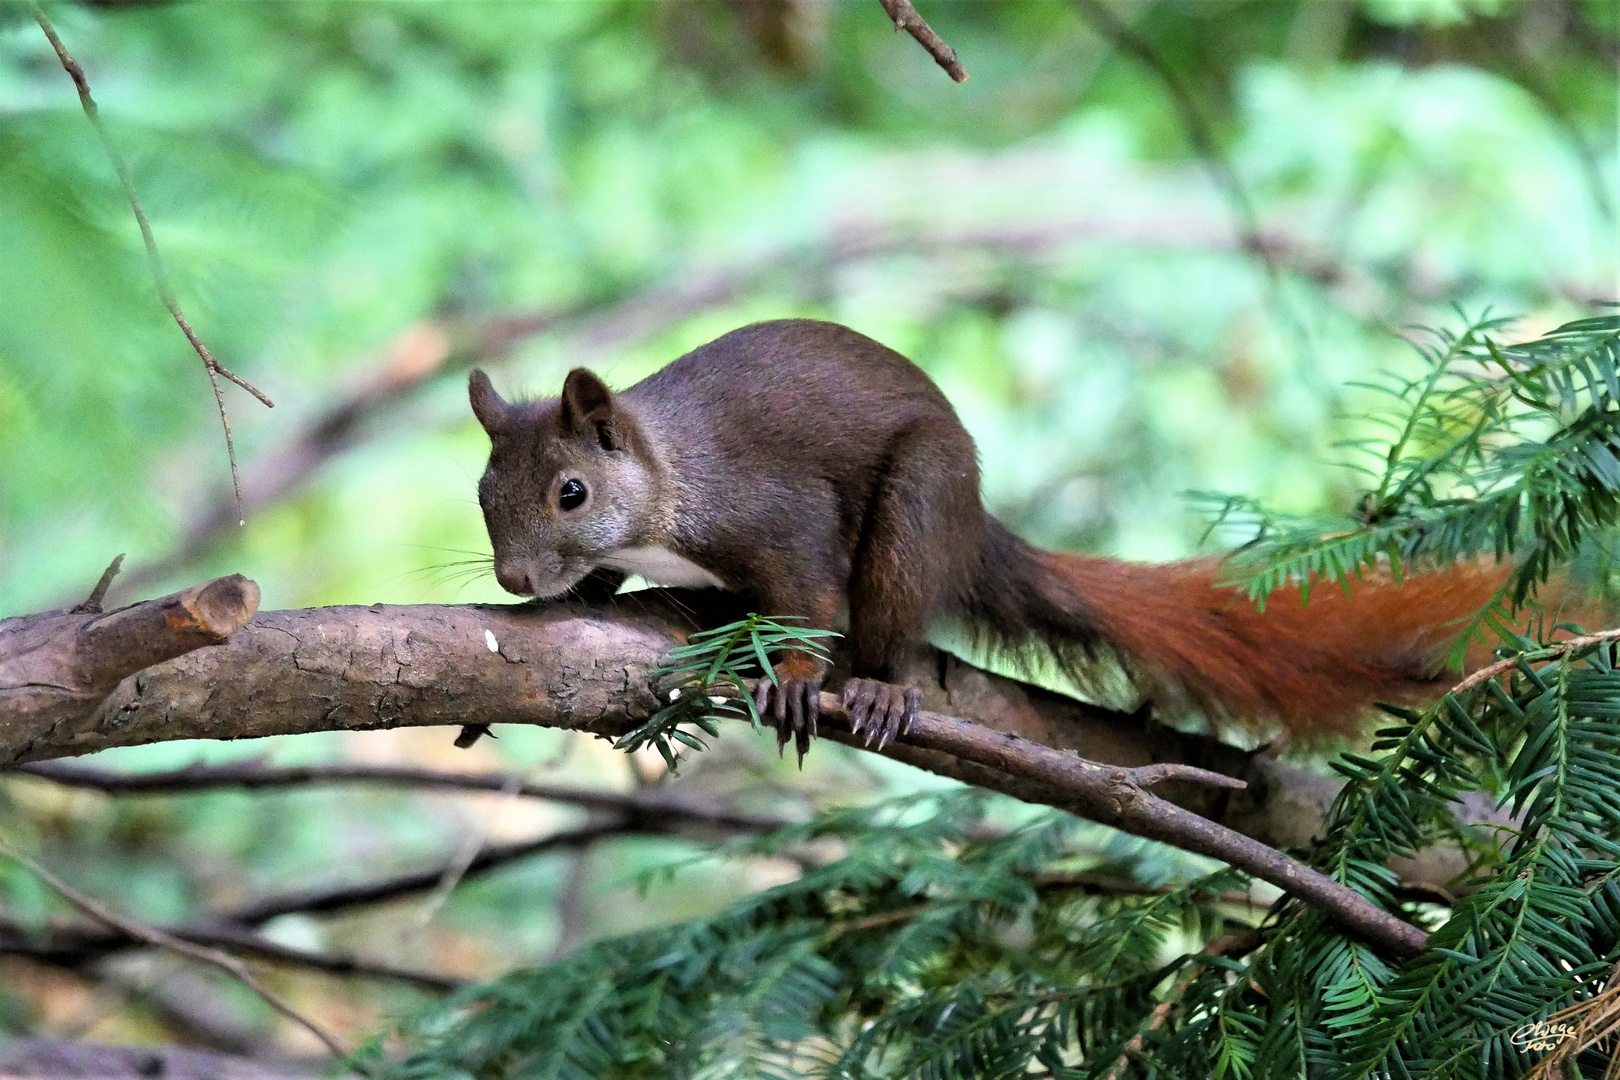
x,y
815,467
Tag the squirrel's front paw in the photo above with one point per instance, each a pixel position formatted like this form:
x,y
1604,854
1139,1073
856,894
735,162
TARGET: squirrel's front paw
x,y
792,705
880,710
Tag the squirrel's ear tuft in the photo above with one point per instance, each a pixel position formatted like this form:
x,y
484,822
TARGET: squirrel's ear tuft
x,y
493,413
586,402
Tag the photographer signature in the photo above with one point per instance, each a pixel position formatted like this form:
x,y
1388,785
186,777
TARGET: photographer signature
x,y
1542,1035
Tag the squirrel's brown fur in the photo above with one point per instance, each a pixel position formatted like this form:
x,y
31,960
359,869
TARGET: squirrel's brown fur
x,y
814,467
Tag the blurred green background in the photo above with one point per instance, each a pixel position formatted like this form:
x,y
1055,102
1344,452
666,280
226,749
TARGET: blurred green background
x,y
356,200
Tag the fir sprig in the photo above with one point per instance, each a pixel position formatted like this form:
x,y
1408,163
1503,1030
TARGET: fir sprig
x,y
702,681
1496,450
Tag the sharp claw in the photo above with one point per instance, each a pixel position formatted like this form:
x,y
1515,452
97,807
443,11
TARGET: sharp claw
x,y
862,713
886,730
913,704
802,741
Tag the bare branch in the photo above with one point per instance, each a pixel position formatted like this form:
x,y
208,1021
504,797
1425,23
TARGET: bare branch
x,y
906,18
74,946
153,936
560,666
1148,775
1114,796
160,276
57,665
253,775
1193,121
318,901
92,603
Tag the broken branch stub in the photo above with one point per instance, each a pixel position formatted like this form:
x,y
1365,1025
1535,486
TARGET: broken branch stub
x,y
60,664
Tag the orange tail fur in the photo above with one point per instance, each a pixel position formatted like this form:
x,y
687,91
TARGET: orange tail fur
x,y
1316,667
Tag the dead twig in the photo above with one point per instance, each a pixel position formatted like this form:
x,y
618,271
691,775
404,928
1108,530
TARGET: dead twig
x,y
1193,121
341,897
71,947
92,604
1119,797
158,938
906,18
664,804
1562,648
160,275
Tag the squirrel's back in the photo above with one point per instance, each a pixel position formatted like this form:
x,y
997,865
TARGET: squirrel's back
x,y
800,383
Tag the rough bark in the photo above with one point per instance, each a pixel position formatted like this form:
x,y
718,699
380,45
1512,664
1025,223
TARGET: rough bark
x,y
584,668
558,665
57,666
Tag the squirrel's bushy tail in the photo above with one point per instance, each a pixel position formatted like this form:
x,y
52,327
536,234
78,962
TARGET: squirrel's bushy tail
x,y
1315,667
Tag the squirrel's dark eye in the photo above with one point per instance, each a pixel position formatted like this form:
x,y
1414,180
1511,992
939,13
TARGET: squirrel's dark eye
x,y
571,496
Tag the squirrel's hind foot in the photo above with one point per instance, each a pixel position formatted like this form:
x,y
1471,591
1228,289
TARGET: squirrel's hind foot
x,y
792,706
879,710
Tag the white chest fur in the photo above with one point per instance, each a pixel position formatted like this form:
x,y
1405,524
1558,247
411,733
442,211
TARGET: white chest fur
x,y
662,567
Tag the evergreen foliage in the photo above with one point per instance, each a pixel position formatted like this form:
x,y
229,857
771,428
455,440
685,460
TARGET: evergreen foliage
x,y
942,946
703,680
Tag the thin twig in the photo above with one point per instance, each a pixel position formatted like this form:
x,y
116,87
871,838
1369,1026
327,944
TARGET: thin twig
x,y
158,938
1193,121
376,892
253,775
69,947
1148,775
160,276
92,603
906,18
1562,648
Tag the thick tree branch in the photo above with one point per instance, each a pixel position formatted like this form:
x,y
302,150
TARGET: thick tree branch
x,y
55,666
585,668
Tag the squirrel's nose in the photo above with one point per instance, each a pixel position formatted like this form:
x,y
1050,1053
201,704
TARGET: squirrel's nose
x,y
515,577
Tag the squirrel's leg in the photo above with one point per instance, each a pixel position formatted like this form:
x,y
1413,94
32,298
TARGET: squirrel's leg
x,y
793,703
921,537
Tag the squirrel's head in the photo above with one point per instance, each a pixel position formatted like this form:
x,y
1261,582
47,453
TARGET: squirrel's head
x,y
568,483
